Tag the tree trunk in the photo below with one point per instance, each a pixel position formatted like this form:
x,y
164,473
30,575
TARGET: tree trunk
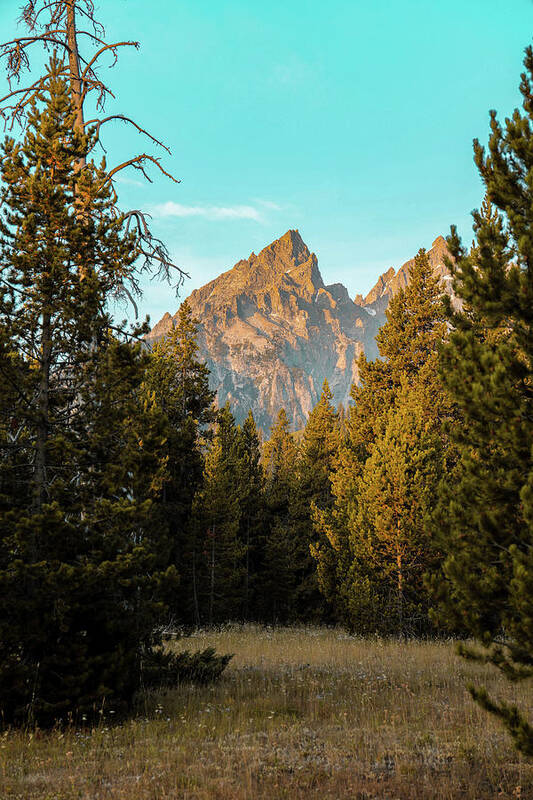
x,y
194,589
39,471
76,88
247,581
212,581
76,96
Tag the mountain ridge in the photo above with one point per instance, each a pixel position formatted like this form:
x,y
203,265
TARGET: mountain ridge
x,y
271,330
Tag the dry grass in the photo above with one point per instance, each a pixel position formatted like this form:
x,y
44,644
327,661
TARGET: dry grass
x,y
300,713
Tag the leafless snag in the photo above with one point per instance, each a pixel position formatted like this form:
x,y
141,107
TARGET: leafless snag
x,y
59,26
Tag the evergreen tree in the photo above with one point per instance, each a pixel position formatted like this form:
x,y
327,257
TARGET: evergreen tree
x,y
180,384
277,578
81,458
486,507
415,324
313,491
252,512
72,29
386,470
221,575
391,542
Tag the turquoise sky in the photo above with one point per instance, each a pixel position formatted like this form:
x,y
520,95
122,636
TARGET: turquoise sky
x,y
351,121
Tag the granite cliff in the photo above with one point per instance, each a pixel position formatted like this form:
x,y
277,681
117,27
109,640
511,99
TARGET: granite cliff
x,y
271,330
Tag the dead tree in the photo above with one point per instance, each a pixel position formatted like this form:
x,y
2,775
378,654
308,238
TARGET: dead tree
x,y
69,29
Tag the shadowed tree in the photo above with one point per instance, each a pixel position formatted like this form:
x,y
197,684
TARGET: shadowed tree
x,y
180,383
252,511
278,574
221,572
81,454
486,511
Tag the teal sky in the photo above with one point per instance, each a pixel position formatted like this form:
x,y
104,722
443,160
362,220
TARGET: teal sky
x,y
351,121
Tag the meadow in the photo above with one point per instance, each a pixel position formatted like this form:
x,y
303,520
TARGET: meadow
x,y
299,713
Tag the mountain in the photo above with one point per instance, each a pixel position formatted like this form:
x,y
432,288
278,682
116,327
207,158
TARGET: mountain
x,y
271,331
391,281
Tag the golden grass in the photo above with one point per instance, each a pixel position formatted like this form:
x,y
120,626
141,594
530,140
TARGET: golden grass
x,y
299,713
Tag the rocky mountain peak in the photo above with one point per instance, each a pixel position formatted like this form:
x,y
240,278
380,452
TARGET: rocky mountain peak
x,y
440,244
271,331
161,327
284,264
380,287
391,281
288,251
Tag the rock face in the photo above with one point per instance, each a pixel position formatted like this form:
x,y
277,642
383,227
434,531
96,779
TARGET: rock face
x,y
391,281
271,331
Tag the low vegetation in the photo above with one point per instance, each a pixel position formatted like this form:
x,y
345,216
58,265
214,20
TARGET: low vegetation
x,y
299,712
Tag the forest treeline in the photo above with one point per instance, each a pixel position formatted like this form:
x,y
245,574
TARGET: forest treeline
x,y
130,504
326,525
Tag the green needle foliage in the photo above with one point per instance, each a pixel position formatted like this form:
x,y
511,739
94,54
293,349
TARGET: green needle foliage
x,y
376,544
83,569
252,516
278,578
316,463
220,562
180,385
486,508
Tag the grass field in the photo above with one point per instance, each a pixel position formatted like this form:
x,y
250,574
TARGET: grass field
x,y
299,713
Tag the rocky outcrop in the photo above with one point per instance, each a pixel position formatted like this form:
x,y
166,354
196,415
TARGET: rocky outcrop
x,y
391,281
271,330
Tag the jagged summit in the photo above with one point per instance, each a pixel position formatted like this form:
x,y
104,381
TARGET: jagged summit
x,y
380,288
271,331
289,250
391,281
285,263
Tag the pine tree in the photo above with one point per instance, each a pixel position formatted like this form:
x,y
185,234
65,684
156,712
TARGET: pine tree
x,y
252,512
395,428
277,577
486,508
180,384
221,574
81,458
313,491
72,29
396,491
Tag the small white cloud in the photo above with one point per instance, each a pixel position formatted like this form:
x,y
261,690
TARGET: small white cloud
x,y
269,204
171,209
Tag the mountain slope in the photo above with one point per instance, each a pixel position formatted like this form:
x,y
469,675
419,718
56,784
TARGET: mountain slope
x,y
271,331
391,281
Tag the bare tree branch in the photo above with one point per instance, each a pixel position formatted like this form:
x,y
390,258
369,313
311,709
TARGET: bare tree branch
x,y
103,49
99,122
137,163
53,25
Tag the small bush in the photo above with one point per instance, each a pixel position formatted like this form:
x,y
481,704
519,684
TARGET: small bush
x,y
163,669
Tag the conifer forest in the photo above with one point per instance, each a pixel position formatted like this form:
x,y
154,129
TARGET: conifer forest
x,y
193,606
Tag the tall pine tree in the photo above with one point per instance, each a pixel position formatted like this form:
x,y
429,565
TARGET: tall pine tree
x,y
312,491
220,571
387,471
179,382
486,512
252,511
277,578
81,458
